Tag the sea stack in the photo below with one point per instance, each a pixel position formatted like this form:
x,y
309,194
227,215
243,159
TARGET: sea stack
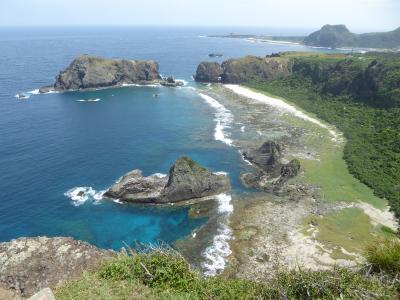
x,y
90,72
187,180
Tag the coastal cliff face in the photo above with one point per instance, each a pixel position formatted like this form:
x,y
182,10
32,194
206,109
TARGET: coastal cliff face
x,y
28,265
187,180
236,71
87,72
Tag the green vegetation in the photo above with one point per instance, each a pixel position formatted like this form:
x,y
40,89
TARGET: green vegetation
x,y
339,36
384,256
360,95
349,228
166,275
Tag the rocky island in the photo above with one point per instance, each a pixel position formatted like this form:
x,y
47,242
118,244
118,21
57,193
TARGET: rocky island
x,y
91,72
187,180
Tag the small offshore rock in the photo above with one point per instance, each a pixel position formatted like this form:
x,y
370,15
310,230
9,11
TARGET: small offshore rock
x,y
187,180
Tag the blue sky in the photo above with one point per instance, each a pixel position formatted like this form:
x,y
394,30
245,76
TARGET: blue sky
x,y
359,15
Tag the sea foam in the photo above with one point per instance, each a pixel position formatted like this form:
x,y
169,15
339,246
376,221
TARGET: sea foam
x,y
217,253
77,198
223,117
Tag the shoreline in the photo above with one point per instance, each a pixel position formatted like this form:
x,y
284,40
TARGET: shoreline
x,y
269,230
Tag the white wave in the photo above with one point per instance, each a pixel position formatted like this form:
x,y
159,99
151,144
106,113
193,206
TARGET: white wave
x,y
202,36
223,117
159,175
217,253
245,160
242,128
79,195
259,133
221,173
89,100
34,92
140,85
225,203
279,104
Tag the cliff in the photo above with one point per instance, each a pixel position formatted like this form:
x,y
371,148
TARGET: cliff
x,y
28,265
235,71
335,36
88,72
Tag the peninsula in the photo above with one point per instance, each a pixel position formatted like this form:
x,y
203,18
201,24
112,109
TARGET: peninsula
x,y
332,36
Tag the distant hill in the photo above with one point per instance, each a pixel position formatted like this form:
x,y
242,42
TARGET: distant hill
x,y
339,36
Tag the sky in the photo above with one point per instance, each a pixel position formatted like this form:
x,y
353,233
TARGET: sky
x,y
358,15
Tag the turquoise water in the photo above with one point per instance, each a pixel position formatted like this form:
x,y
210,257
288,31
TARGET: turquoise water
x,y
53,143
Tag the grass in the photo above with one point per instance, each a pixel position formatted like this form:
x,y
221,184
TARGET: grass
x,y
349,228
384,256
166,275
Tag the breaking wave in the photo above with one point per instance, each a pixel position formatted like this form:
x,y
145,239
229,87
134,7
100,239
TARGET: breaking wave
x,y
223,117
217,253
79,195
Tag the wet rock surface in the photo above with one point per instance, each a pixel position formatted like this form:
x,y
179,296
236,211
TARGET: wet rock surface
x,y
28,265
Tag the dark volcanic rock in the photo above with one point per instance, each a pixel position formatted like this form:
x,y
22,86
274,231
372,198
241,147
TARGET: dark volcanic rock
x,y
87,72
28,265
187,180
272,173
267,157
171,82
209,72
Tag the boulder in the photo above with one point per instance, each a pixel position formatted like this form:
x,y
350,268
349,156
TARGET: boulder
x,y
209,72
88,72
290,169
134,187
187,180
28,265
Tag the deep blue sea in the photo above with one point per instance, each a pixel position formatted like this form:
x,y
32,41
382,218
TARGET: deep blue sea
x,y
50,144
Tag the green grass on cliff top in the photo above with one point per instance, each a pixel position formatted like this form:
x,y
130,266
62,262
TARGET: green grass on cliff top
x,y
167,275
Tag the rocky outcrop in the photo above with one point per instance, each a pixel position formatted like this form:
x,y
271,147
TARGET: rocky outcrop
x,y
236,71
209,72
171,82
88,72
28,265
187,180
272,174
134,187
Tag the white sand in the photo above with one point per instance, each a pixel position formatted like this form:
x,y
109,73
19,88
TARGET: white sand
x,y
278,104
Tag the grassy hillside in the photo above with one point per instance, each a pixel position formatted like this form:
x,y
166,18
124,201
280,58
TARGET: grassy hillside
x,y
166,275
360,95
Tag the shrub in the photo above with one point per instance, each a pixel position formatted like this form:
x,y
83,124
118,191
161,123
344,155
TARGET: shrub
x,y
384,256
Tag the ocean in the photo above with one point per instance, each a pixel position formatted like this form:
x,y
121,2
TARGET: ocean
x,y
53,145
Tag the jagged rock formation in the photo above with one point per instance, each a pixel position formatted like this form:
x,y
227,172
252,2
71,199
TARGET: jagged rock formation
x,y
339,36
87,72
28,265
272,173
236,71
209,72
187,180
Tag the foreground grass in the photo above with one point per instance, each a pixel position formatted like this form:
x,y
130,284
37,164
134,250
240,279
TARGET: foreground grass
x,y
166,275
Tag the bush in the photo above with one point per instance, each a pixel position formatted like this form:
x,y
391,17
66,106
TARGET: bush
x,y
384,256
